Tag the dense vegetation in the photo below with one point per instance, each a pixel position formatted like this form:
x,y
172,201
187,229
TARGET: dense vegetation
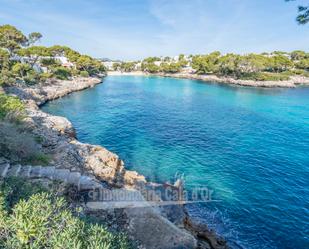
x,y
273,66
124,66
22,62
266,66
32,217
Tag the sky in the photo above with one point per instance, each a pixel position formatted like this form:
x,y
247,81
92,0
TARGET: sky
x,y
135,29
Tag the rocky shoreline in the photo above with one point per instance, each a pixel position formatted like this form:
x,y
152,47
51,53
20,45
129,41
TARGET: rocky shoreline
x,y
59,141
59,134
294,81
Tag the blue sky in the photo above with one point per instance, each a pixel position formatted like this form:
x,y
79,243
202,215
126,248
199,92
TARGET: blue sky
x,y
133,29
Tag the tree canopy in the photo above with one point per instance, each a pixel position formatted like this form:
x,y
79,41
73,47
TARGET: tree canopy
x,y
303,13
22,61
11,38
34,37
276,65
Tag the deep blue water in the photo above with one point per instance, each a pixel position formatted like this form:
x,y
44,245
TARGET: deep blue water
x,y
251,146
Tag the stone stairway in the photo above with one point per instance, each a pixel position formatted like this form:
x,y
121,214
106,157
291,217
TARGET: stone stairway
x,y
83,182
146,224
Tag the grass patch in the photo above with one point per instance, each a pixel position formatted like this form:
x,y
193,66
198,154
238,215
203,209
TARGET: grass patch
x,y
39,159
20,146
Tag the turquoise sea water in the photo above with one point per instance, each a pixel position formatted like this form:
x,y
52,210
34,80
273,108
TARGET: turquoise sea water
x,y
249,145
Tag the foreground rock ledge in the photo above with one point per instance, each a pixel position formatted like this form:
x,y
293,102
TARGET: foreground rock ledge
x,y
146,225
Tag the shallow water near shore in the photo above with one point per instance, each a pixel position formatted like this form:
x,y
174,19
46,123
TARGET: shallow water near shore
x,y
249,145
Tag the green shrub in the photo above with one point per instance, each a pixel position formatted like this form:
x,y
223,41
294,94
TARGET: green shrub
x,y
6,77
32,78
9,104
21,69
150,67
24,73
46,62
43,220
45,76
127,66
62,73
171,67
84,74
74,72
14,189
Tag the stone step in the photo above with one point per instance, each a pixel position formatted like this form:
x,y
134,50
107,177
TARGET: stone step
x,y
14,170
4,169
48,172
87,183
35,172
61,174
143,220
74,177
25,171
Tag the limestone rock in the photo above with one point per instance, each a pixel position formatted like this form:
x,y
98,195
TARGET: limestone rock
x,y
63,126
155,232
205,235
133,178
291,83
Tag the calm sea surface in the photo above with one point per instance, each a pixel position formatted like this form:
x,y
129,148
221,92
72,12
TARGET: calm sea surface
x,y
249,145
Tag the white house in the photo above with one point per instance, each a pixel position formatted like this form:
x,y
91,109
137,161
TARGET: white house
x,y
109,64
64,61
138,66
158,63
